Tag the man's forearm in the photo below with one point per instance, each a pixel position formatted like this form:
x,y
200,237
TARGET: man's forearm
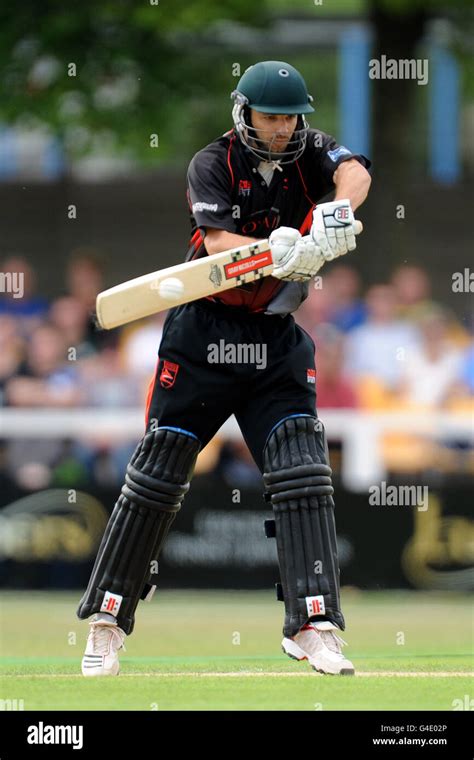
x,y
216,241
352,181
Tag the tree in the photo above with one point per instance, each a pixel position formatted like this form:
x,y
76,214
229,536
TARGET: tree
x,y
121,69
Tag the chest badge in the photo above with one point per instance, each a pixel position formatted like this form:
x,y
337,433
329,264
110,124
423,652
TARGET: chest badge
x,y
245,186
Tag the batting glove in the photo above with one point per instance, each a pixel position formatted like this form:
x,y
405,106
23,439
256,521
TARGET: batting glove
x,y
294,257
333,228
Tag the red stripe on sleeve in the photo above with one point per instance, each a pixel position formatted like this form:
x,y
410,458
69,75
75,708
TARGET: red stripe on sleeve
x,y
149,395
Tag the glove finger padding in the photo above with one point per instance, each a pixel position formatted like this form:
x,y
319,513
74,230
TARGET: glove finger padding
x,y
282,242
288,235
306,260
300,261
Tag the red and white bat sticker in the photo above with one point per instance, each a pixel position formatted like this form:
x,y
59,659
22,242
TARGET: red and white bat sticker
x,y
249,264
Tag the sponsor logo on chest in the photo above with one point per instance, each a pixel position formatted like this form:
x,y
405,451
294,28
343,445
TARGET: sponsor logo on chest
x,y
245,186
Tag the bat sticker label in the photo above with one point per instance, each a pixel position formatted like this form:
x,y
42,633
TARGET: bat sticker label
x,y
215,275
248,264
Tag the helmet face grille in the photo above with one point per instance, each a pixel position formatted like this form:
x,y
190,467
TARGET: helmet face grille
x,y
261,148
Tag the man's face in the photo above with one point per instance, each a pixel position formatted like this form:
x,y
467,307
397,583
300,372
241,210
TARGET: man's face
x,y
274,129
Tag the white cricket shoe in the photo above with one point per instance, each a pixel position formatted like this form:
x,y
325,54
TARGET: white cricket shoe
x,y
103,643
321,646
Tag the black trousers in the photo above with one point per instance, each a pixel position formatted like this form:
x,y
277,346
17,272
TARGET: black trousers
x,y
216,360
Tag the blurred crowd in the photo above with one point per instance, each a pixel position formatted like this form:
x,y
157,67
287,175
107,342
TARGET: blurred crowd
x,y
390,346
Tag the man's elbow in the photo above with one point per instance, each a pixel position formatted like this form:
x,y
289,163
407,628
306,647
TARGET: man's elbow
x,y
366,182
363,178
352,168
211,246
367,178
213,241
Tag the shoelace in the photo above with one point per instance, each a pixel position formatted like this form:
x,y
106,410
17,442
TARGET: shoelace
x,y
333,641
100,640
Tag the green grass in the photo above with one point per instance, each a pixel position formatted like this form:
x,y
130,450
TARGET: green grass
x,y
201,650
335,8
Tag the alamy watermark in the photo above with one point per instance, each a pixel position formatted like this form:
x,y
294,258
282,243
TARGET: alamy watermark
x,y
404,68
384,495
12,282
11,704
237,353
42,733
463,282
464,703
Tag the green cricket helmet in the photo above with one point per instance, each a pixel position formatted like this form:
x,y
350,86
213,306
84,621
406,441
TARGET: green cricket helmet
x,y
272,87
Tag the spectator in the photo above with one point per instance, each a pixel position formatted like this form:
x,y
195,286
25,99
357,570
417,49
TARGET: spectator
x,y
18,294
378,348
432,369
45,378
139,346
104,383
12,351
317,308
85,280
347,308
84,276
334,390
413,291
71,317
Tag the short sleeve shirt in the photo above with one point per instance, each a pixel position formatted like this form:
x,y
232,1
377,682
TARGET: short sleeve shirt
x,y
226,191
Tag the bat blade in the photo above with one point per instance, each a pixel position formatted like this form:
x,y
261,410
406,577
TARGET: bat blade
x,y
141,297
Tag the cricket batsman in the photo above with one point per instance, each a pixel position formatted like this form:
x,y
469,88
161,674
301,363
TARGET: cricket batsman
x,y
265,178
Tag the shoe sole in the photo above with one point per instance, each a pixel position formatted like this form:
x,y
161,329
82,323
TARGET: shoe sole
x,y
89,668
299,656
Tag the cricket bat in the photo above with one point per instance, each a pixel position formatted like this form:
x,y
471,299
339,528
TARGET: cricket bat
x,y
184,282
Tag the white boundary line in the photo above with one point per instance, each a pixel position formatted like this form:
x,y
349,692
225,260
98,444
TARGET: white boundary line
x,y
257,674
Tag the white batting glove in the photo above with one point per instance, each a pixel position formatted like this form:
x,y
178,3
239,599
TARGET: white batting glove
x,y
333,228
294,257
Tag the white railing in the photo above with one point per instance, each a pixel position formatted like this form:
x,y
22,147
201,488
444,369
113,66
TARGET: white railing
x,y
360,432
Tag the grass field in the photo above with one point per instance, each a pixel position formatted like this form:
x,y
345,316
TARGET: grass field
x,y
201,650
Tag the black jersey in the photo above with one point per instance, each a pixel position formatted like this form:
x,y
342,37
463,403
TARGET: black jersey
x,y
226,191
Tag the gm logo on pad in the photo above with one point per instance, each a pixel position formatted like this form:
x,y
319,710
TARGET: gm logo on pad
x,y
315,605
111,603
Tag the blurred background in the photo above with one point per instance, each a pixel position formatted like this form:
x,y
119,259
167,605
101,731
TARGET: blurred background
x,y
103,106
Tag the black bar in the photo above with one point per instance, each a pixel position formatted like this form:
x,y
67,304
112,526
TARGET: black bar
x,y
445,734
